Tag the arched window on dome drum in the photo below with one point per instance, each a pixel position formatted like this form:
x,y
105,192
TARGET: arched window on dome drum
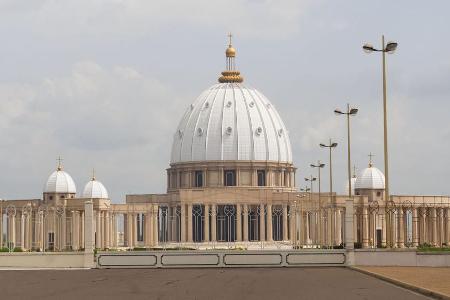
x,y
230,178
198,179
261,177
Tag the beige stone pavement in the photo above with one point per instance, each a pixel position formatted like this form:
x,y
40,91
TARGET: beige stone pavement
x,y
433,279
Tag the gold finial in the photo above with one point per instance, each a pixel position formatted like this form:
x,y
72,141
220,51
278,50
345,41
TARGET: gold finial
x,y
59,168
370,159
230,52
354,171
230,75
93,174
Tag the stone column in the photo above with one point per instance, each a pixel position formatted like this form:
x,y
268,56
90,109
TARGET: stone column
x,y
155,225
130,234
269,223
365,241
349,241
447,222
107,230
89,234
22,231
98,230
148,236
338,227
401,229
189,220
356,238
285,222
74,231
441,227
383,228
1,227
245,217
262,223
238,223
291,223
82,237
213,222
206,224
423,227
434,226
183,222
415,227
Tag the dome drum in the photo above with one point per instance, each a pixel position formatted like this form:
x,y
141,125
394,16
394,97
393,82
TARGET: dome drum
x,y
213,174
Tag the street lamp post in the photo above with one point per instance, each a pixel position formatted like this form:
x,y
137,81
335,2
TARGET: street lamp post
x,y
319,212
330,146
318,166
390,47
311,179
348,113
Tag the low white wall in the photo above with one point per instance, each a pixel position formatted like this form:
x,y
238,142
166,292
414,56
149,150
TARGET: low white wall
x,y
220,258
406,258
46,260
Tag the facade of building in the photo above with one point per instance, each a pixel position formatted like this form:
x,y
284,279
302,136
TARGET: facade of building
x,y
231,182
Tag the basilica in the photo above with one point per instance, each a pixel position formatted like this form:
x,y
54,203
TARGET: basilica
x,y
231,183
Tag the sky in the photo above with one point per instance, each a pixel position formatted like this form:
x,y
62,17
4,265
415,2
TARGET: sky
x,y
104,83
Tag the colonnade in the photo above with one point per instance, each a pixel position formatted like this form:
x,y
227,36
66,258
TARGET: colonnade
x,y
402,227
211,222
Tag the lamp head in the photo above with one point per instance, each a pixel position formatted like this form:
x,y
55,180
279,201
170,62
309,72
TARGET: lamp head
x,y
368,48
322,145
353,111
321,165
334,145
391,47
338,112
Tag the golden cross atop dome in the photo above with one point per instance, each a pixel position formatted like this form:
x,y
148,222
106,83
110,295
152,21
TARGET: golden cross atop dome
x,y
59,160
229,38
370,159
93,174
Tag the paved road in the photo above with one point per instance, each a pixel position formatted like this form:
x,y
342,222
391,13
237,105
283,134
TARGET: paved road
x,y
286,283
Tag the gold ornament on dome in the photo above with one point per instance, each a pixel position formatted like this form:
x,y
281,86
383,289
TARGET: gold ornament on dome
x,y
230,75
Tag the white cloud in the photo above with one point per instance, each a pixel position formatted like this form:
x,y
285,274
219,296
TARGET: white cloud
x,y
265,18
116,120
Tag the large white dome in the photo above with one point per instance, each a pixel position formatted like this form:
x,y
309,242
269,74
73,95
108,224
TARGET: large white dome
x,y
230,121
60,182
95,189
370,178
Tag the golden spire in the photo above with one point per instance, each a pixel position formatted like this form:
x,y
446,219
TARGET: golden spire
x,y
230,75
370,159
59,168
354,171
93,174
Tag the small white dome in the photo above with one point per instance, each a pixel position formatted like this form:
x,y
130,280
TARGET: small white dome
x,y
60,182
95,189
370,178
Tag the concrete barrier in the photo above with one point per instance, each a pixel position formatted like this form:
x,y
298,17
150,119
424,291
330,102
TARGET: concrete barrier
x,y
46,260
401,257
220,258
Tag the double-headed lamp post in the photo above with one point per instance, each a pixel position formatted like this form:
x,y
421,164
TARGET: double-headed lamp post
x,y
311,179
318,166
330,146
350,112
390,47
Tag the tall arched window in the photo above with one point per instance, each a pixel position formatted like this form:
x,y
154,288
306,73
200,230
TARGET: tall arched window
x,y
261,177
230,177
